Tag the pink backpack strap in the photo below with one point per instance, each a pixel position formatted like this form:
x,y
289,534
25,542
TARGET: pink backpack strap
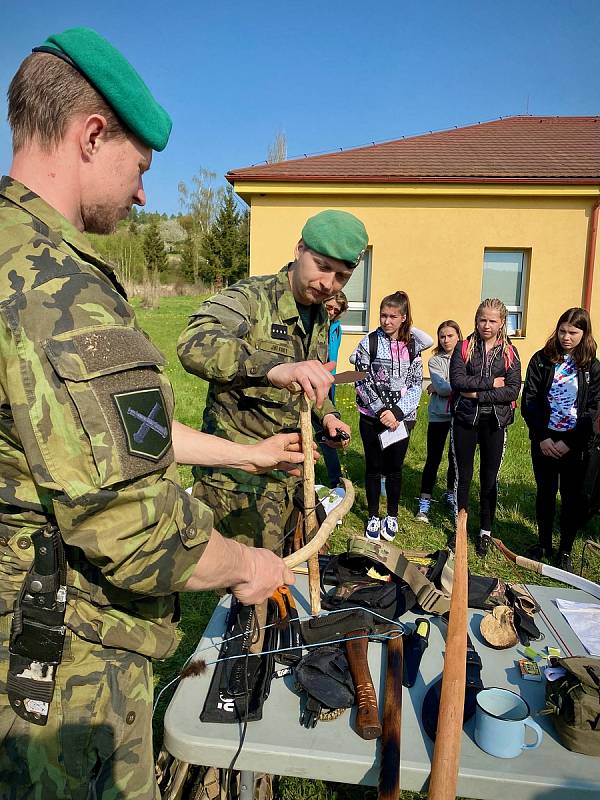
x,y
509,356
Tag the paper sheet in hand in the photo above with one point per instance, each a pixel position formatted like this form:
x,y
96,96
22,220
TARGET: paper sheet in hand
x,y
389,437
584,619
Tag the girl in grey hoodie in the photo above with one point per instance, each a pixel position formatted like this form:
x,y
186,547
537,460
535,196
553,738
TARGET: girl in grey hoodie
x,y
448,334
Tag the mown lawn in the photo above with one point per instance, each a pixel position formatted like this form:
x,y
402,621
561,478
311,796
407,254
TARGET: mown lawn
x,y
515,522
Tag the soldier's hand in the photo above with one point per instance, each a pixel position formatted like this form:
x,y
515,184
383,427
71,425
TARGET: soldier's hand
x,y
314,378
332,427
251,573
282,451
266,572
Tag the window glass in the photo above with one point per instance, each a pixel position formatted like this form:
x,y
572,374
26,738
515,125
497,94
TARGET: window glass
x,y
503,276
356,319
513,323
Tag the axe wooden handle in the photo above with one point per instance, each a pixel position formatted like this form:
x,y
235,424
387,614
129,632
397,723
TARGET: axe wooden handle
x,y
367,723
389,769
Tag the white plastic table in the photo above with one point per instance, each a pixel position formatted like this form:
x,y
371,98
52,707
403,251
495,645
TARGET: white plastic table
x,y
332,751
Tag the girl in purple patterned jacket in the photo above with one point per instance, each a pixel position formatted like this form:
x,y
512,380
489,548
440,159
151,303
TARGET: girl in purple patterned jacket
x,y
387,400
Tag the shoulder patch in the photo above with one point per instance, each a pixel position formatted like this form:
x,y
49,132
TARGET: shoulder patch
x,y
145,422
221,301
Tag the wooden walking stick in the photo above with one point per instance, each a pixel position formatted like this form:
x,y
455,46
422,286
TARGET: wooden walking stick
x,y
389,769
446,754
310,514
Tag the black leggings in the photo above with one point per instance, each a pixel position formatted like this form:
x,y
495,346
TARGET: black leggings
x,y
437,433
380,462
551,474
491,441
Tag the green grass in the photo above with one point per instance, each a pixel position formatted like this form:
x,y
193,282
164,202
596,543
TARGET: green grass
x,y
515,522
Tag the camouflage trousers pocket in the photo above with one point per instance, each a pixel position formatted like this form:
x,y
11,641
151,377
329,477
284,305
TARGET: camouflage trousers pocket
x,y
250,518
98,739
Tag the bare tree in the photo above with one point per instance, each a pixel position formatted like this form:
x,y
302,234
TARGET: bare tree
x,y
278,150
201,201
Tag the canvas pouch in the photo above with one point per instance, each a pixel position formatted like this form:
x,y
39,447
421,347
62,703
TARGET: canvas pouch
x,y
573,704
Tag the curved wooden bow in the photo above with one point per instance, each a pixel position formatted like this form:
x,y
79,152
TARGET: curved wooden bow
x,y
316,543
548,571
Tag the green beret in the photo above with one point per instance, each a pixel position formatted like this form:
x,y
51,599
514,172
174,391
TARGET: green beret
x,y
336,234
116,80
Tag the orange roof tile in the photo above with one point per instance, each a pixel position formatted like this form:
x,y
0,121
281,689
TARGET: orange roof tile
x,y
511,150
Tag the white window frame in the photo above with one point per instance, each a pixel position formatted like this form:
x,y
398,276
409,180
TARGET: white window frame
x,y
521,309
362,305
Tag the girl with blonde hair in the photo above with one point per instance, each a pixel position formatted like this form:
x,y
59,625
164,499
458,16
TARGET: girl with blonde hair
x,y
485,375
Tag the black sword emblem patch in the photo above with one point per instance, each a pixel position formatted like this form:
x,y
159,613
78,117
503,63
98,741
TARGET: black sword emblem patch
x,y
145,422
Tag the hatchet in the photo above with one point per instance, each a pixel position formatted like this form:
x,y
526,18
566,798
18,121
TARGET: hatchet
x,y
355,626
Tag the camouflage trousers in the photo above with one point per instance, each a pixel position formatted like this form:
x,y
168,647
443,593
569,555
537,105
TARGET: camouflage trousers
x,y
97,743
251,517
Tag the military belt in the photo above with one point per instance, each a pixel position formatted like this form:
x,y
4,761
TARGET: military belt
x,y
38,632
429,597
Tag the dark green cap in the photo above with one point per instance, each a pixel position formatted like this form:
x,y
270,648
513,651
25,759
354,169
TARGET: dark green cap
x,y
336,234
116,80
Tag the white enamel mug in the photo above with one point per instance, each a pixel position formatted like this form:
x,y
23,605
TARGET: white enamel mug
x,y
501,719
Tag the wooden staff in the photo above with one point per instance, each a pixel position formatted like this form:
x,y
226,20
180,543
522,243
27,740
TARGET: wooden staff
x,y
389,769
446,754
310,515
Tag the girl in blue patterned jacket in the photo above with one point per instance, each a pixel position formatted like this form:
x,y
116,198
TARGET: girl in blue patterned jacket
x,y
387,400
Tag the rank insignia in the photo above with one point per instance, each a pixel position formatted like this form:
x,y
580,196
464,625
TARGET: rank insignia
x,y
279,332
145,422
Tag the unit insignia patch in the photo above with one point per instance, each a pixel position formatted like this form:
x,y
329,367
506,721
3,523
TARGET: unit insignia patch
x,y
145,422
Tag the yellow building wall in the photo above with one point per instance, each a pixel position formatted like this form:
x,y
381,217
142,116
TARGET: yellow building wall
x,y
433,248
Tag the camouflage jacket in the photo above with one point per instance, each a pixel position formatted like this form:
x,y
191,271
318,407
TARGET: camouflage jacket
x,y
85,436
232,341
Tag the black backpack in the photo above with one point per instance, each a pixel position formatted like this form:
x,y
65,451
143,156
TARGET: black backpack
x,y
411,346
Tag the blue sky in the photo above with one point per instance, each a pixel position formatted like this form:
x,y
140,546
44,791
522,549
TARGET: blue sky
x,y
329,74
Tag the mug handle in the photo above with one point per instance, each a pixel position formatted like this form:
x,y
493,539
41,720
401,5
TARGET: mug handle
x,y
538,734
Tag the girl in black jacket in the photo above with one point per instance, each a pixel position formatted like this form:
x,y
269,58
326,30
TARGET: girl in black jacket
x,y
485,375
560,396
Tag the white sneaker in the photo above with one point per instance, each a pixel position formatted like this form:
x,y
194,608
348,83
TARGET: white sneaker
x,y
389,528
373,529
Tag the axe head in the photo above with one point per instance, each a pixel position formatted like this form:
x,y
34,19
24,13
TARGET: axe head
x,y
337,625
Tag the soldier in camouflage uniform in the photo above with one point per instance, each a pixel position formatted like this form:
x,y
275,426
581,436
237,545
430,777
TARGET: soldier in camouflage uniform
x,y
251,342
85,440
